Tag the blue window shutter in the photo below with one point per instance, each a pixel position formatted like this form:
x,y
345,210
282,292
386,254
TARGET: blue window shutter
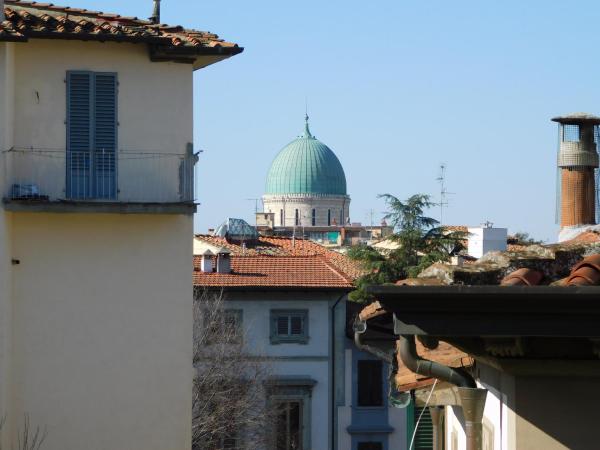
x,y
79,134
105,135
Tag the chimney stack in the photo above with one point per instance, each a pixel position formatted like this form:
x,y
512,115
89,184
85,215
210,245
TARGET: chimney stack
x,y
155,17
577,161
223,262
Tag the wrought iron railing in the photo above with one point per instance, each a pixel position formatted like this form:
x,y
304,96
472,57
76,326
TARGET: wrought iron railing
x,y
101,175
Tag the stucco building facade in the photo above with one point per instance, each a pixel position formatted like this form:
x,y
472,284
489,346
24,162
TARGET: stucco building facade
x,y
95,290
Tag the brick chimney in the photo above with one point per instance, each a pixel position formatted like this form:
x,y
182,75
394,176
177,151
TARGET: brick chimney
x,y
577,161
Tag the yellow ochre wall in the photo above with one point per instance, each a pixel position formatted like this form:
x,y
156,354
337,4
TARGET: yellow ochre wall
x,y
96,319
102,326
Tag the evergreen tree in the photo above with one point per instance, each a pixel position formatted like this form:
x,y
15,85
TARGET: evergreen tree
x,y
420,241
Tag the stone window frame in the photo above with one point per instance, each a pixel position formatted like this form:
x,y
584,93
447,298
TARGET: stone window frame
x,y
276,338
294,388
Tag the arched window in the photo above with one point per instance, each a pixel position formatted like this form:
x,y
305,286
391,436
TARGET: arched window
x,y
328,217
314,217
281,223
297,221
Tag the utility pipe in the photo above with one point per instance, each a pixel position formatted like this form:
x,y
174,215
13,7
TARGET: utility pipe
x,y
421,366
473,402
360,327
472,398
333,387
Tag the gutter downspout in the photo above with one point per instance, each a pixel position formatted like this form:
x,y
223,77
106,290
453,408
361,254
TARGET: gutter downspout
x,y
360,327
437,412
472,398
333,405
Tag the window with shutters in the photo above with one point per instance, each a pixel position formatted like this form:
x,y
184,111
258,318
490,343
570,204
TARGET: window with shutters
x,y
91,135
289,326
370,383
223,327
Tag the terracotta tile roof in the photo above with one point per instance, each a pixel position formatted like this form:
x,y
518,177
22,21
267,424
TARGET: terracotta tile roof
x,y
586,272
26,20
274,271
545,264
283,246
444,354
524,277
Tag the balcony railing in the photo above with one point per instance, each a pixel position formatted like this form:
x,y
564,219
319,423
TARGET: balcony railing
x,y
41,175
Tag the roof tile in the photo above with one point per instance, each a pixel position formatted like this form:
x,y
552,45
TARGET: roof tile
x,y
273,271
45,20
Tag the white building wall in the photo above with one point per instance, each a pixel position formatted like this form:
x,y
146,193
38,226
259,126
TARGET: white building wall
x,y
486,239
339,206
308,360
498,418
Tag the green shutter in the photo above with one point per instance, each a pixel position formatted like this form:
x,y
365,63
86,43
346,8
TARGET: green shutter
x,y
91,135
105,135
424,435
79,134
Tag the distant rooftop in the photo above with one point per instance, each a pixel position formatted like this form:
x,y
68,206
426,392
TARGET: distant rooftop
x,y
315,272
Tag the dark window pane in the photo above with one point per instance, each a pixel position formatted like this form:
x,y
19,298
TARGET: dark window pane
x,y
370,446
294,425
288,426
370,383
296,325
282,325
229,443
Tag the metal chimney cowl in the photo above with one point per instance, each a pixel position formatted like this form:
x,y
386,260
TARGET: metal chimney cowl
x,y
155,18
577,161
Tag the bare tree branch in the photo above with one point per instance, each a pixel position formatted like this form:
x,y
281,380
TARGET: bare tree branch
x,y
229,402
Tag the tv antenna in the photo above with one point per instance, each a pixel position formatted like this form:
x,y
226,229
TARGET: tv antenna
x,y
441,179
255,200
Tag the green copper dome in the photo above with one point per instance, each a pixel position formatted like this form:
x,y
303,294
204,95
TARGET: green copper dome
x,y
306,166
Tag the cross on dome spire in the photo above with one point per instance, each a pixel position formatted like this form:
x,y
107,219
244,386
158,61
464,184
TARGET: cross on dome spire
x,y
306,129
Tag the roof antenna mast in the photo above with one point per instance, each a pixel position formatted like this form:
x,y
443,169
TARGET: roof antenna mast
x,y
443,192
155,17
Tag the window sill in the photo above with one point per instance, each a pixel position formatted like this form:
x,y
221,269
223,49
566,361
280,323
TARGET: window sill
x,y
91,206
275,341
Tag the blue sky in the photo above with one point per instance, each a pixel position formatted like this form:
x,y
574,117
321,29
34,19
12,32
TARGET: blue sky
x,y
394,88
